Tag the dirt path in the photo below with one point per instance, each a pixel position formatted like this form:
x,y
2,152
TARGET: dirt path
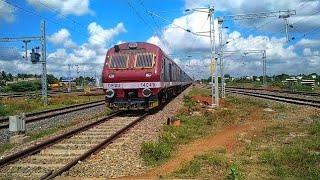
x,y
226,138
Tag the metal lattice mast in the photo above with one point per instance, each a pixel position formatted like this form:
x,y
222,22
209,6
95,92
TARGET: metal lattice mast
x,y
223,91
278,14
215,92
44,63
42,39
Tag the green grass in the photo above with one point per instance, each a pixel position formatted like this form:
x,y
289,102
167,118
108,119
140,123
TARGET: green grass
x,y
298,159
241,101
155,153
47,132
19,105
199,92
209,165
192,127
4,147
3,110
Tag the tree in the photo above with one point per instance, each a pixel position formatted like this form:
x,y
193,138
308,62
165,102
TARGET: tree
x,y
3,76
51,79
10,77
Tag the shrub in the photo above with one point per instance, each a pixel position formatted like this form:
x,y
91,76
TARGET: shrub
x,y
23,86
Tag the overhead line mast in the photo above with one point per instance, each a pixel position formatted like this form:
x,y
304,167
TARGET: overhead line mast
x,y
42,39
279,14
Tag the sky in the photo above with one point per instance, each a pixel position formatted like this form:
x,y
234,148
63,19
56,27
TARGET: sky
x,y
79,33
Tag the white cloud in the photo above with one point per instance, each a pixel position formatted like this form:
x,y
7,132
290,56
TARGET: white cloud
x,y
313,43
65,7
281,57
7,12
62,37
306,12
89,56
99,36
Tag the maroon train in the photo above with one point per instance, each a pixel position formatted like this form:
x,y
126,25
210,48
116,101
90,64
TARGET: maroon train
x,y
140,76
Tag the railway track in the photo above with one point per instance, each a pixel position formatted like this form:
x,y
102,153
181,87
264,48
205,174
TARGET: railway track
x,y
281,98
52,157
281,91
16,95
277,97
37,116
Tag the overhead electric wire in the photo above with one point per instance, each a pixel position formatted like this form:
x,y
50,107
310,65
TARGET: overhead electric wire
x,y
274,20
141,18
282,30
159,28
48,19
72,20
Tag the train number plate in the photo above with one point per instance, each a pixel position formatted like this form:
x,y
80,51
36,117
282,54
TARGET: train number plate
x,y
148,85
113,85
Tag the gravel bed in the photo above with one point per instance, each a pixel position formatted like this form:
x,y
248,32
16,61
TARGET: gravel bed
x,y
121,158
79,117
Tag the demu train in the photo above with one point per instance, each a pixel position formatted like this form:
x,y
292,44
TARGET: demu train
x,y
140,76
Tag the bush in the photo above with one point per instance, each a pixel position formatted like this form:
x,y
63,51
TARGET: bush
x,y
23,86
3,110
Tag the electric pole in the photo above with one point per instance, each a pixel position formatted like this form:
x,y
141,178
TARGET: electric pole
x,y
214,61
42,39
279,14
69,79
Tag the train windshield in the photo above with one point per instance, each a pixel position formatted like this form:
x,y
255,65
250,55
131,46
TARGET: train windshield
x,y
144,60
118,61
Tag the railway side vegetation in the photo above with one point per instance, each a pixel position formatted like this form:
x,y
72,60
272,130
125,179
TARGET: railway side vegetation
x,y
287,147
26,105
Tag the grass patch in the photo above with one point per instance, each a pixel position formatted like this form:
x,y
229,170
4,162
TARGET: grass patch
x,y
245,101
19,105
3,109
192,127
284,151
199,92
155,153
210,165
47,132
6,146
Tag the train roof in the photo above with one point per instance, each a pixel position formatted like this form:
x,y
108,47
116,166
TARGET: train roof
x,y
133,45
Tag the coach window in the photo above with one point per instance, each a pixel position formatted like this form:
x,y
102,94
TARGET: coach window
x,y
144,60
118,61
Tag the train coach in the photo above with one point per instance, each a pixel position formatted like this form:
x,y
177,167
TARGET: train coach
x,y
140,76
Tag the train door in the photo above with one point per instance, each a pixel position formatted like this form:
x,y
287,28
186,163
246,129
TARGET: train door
x,y
170,72
164,70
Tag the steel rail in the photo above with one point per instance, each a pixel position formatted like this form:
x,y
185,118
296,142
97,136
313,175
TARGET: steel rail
x,y
93,150
37,148
279,91
67,109
24,94
292,100
280,96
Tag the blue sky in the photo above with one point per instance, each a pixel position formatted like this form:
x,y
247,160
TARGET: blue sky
x,y
81,31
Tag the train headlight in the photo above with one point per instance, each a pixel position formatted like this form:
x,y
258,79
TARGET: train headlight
x,y
148,74
146,92
111,75
110,93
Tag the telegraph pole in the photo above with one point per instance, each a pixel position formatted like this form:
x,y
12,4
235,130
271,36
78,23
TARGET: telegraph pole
x,y
42,39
